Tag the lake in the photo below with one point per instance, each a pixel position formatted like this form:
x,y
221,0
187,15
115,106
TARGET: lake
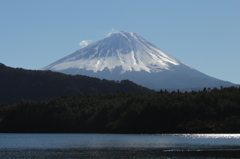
x,y
71,146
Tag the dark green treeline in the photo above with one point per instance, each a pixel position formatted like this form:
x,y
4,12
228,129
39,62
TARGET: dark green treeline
x,y
206,111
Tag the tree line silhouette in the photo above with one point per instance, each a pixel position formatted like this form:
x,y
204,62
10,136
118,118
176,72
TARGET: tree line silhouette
x,y
18,83
207,111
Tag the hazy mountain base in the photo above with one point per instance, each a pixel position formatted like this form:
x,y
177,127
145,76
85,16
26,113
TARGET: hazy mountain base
x,y
207,111
180,78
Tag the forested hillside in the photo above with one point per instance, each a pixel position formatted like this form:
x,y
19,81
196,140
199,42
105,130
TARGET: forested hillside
x,y
206,111
17,84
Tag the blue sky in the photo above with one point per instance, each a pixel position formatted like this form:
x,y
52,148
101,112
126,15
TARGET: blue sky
x,y
204,34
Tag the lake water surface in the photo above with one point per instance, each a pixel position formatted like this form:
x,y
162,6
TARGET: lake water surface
x,y
176,146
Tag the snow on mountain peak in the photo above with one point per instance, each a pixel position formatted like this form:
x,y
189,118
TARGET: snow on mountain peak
x,y
121,49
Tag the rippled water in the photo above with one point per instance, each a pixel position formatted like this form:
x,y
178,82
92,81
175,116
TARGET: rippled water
x,y
177,146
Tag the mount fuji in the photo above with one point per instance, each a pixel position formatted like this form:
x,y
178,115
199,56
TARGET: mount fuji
x,y
125,55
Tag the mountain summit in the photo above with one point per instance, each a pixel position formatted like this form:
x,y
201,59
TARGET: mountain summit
x,y
120,49
125,55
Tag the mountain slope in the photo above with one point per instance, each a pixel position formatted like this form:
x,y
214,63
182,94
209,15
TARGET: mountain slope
x,y
127,50
17,84
124,55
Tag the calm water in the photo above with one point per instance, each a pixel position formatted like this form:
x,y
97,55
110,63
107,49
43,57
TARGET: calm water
x,y
71,146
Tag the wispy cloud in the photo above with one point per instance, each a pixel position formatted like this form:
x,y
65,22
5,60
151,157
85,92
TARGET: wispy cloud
x,y
85,43
112,31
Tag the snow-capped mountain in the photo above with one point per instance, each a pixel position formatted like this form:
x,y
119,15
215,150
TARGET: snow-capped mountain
x,y
125,55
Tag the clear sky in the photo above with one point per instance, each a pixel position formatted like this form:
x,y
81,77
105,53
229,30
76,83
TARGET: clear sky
x,y
204,34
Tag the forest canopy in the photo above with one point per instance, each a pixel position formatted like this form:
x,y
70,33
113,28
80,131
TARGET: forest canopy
x,y
18,83
207,111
